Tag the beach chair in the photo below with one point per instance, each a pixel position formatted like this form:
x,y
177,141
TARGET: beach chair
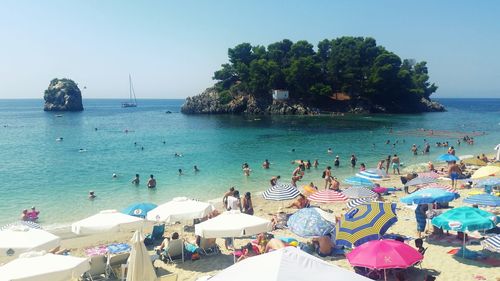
x,y
168,277
115,262
97,269
156,234
209,246
174,250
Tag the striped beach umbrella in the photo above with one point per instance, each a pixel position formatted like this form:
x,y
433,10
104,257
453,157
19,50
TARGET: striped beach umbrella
x,y
370,175
365,222
429,195
281,192
484,200
22,223
358,201
420,181
491,182
492,243
441,186
327,196
358,192
358,181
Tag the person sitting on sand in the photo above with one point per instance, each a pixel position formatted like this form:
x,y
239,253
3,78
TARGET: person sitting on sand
x,y
335,184
273,245
151,182
279,221
484,158
136,180
226,195
300,203
324,245
247,252
24,215
419,244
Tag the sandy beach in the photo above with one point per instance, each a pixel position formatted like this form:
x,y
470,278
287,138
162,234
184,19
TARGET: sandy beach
x,y
437,261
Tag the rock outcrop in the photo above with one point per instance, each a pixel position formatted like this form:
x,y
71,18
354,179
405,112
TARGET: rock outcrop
x,y
63,95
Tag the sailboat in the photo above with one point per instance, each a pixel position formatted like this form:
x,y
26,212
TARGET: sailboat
x,y
133,101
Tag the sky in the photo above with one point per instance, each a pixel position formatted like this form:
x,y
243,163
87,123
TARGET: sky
x,y
172,48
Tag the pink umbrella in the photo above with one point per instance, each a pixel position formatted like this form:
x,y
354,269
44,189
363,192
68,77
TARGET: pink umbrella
x,y
327,196
384,254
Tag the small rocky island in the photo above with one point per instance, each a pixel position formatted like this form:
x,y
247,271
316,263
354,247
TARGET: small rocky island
x,y
347,74
63,95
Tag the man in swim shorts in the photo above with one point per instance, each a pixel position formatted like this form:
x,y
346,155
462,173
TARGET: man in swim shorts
x,y
395,164
151,182
454,173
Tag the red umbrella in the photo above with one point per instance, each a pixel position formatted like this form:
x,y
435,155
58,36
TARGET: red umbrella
x,y
384,254
327,196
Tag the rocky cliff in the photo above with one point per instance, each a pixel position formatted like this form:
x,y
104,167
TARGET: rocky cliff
x,y
63,95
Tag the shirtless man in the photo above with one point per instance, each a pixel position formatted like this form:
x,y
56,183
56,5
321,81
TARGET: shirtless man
x,y
454,173
395,164
266,164
227,194
151,182
327,175
414,149
325,245
274,180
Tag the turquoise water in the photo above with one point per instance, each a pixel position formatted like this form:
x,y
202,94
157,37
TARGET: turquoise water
x,y
38,170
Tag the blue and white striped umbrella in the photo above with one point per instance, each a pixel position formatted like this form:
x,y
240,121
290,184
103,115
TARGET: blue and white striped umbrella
x,y
358,181
492,243
359,192
484,200
281,192
370,175
23,223
359,201
429,195
491,182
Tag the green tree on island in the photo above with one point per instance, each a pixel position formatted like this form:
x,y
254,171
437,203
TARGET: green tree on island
x,y
353,66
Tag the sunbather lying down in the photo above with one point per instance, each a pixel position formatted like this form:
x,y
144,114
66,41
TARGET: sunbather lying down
x,y
274,244
57,251
324,245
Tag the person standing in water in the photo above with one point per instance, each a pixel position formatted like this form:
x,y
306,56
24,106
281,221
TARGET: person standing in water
x,y
195,168
353,161
387,163
266,164
315,163
336,163
136,180
151,182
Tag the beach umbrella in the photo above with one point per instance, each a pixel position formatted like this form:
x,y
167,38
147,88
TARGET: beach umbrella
x,y
358,181
107,221
311,222
281,192
448,158
475,162
357,192
20,238
420,181
492,243
463,157
139,209
44,267
485,172
364,223
484,200
370,175
327,196
232,224
308,190
490,182
465,219
286,264
441,186
384,254
29,224
432,175
180,209
359,201
429,195
140,267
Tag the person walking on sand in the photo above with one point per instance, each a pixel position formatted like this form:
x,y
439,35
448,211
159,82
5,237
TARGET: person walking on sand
x,y
327,175
151,182
454,173
395,164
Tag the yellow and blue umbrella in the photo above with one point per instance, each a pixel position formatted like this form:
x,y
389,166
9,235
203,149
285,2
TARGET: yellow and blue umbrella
x,y
365,222
311,222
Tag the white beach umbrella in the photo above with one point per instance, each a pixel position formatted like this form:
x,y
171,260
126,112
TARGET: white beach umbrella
x,y
180,209
107,221
19,239
140,267
232,224
44,267
286,264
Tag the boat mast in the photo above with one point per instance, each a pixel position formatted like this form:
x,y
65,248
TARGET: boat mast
x,y
131,89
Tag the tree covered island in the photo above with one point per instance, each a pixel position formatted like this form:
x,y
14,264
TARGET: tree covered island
x,y
347,74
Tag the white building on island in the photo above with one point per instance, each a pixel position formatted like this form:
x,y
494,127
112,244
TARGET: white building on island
x,y
280,94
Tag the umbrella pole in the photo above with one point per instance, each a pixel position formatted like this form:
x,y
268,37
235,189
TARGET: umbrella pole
x,y
463,248
234,252
385,275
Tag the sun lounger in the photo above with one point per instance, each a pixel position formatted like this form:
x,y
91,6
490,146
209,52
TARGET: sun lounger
x,y
156,234
174,250
209,247
97,269
115,262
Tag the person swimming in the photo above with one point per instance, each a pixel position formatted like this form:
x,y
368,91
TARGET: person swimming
x,y
60,139
195,168
114,175
92,195
180,172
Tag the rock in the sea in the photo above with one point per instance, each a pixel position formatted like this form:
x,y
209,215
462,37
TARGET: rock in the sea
x,y
63,95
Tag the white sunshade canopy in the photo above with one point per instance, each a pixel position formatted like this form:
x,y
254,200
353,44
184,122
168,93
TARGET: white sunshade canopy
x,y
19,239
232,224
140,267
286,264
107,221
180,209
48,267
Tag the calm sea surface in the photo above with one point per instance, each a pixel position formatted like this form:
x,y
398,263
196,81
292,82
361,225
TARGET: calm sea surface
x,y
56,176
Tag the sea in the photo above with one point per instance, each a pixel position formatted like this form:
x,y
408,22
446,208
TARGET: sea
x,y
55,175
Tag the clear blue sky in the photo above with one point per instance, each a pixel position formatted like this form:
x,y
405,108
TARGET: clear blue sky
x,y
172,48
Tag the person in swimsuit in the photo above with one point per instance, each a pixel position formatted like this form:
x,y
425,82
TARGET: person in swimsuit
x,y
336,163
327,175
315,163
247,204
362,167
325,246
353,160
151,182
414,149
24,215
226,195
454,173
266,164
387,163
136,180
92,195
395,164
